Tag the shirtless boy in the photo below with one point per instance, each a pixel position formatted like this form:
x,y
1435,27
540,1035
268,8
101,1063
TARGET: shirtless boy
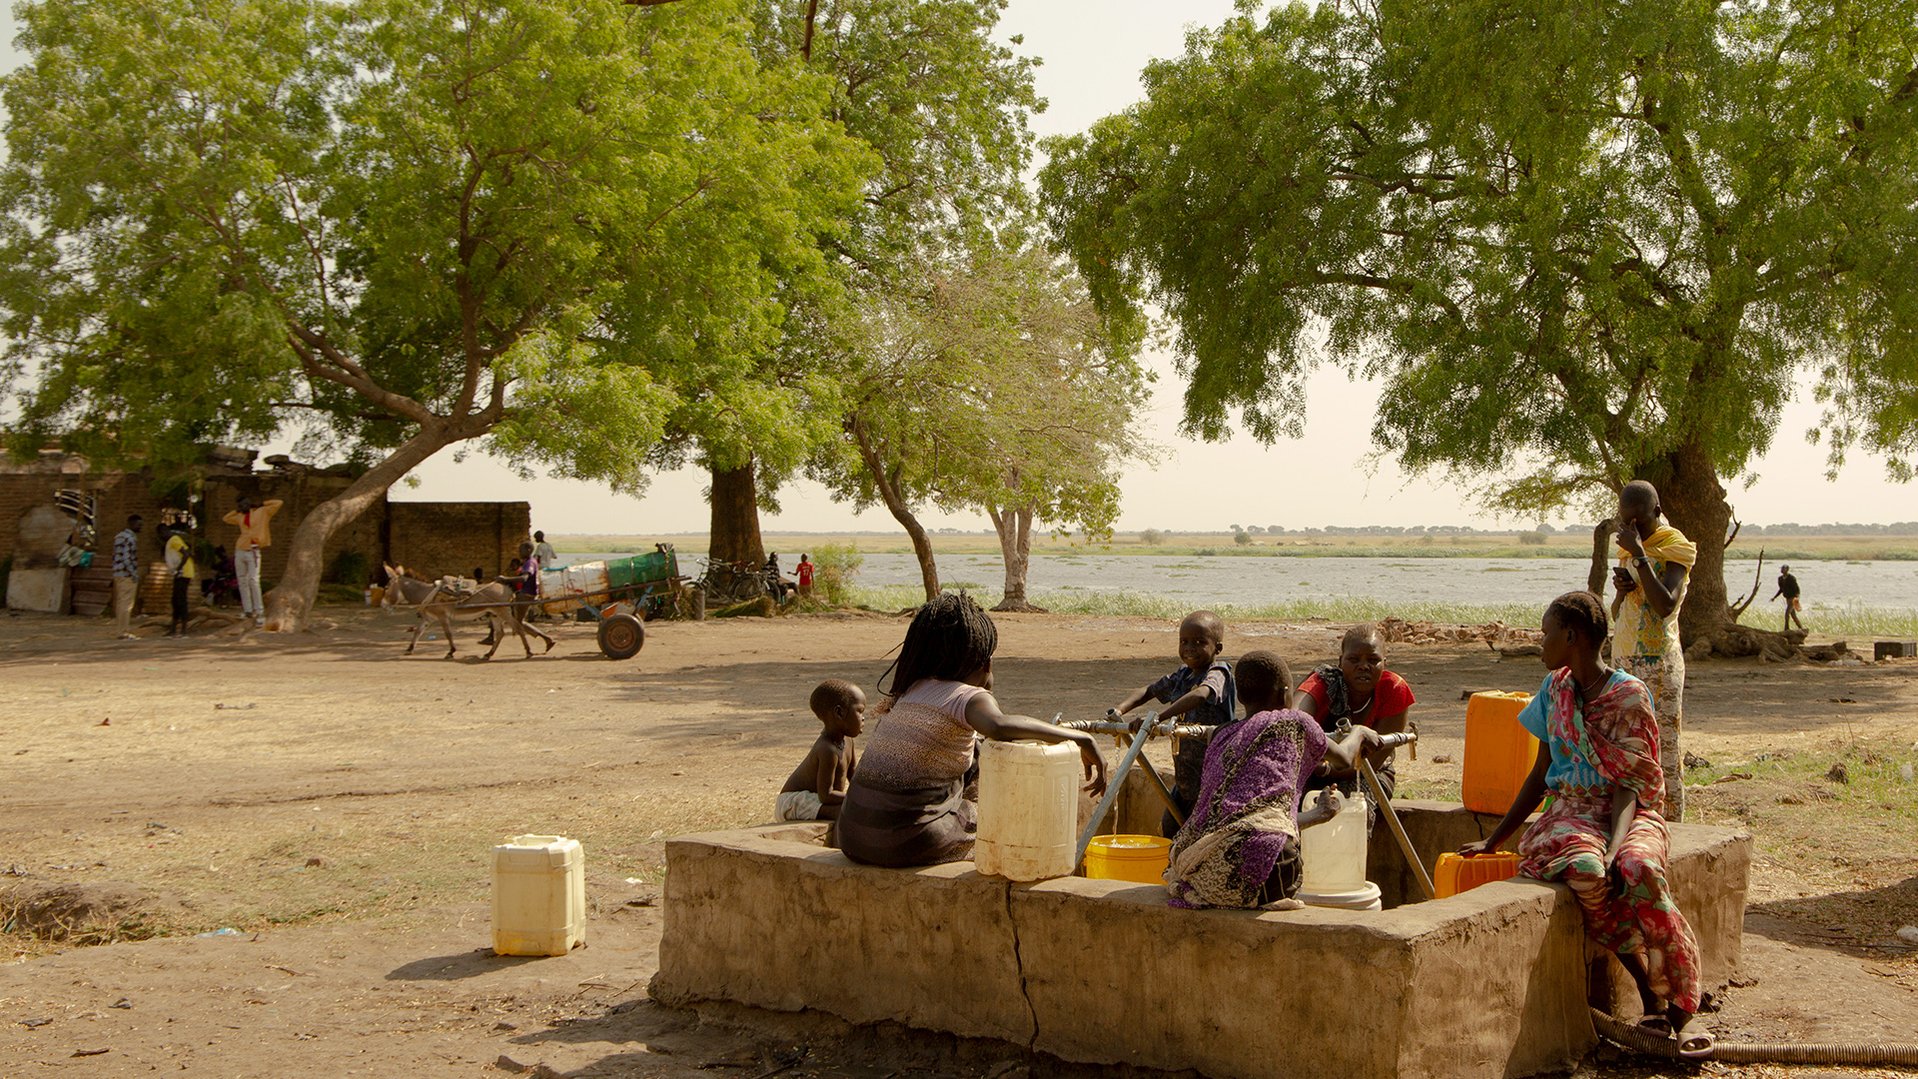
x,y
817,787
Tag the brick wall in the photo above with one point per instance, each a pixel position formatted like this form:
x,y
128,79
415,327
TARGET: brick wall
x,y
432,539
119,493
300,491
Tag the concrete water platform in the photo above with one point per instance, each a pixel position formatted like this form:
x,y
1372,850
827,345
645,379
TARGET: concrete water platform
x,y
1493,982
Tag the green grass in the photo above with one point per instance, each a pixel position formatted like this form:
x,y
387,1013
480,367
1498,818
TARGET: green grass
x,y
1825,622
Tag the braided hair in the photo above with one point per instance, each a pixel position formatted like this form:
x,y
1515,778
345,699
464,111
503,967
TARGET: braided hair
x,y
950,638
1584,612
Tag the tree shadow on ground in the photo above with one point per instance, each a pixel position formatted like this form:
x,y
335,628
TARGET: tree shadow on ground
x,y
1863,924
731,1039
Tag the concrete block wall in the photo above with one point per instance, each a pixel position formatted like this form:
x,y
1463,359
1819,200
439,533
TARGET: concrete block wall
x,y
300,491
1489,983
432,539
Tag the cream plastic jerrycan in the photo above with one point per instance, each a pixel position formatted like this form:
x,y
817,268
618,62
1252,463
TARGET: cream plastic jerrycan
x,y
539,895
1334,852
1028,810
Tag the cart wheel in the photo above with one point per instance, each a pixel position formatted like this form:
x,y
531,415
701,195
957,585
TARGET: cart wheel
x,y
620,636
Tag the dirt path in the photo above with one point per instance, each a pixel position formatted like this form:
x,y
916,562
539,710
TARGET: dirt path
x,y
334,804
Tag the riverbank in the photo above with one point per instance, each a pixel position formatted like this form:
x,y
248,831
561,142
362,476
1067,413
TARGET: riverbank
x,y
1859,548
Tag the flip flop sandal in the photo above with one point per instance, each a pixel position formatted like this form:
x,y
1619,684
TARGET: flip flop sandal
x,y
1695,1045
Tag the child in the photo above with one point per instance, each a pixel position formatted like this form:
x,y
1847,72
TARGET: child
x,y
1201,691
817,787
1359,688
1240,845
1604,836
906,804
804,571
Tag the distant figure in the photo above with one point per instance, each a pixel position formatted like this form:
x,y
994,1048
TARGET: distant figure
x,y
1201,690
179,562
543,551
817,788
479,574
804,571
221,581
777,584
126,575
1654,570
1788,588
255,536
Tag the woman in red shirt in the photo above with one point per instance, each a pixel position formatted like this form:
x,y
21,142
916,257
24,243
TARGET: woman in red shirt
x,y
1360,689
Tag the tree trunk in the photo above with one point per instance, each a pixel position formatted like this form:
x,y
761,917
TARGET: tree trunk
x,y
1014,526
1601,571
1694,502
291,601
885,483
735,516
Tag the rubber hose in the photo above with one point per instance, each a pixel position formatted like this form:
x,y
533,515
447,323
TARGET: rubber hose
x,y
1859,1055
1856,1055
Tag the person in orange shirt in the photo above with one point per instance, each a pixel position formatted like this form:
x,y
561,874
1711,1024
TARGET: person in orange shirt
x,y
253,521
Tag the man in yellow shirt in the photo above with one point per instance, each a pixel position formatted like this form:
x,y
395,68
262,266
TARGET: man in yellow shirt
x,y
255,536
1654,570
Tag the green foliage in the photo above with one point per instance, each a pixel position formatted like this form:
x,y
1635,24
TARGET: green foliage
x,y
939,108
403,223
994,388
1531,539
1581,238
1152,537
837,568
1242,538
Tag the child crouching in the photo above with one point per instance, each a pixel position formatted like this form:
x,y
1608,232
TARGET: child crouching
x,y
817,788
1240,844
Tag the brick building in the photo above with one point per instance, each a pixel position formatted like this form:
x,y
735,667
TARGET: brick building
x,y
430,538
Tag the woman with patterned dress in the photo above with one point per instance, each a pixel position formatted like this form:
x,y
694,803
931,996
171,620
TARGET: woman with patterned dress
x,y
1604,836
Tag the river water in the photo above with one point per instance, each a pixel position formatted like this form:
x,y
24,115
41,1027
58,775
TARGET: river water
x,y
1251,580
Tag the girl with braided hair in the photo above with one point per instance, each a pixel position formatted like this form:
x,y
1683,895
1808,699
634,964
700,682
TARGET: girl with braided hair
x,y
906,804
1604,836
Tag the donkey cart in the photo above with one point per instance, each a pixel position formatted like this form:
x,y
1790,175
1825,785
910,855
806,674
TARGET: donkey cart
x,y
620,594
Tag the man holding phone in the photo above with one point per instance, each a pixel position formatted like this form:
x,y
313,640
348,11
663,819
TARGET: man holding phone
x,y
1654,567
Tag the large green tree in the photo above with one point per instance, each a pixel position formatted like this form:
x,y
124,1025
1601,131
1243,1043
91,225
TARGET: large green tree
x,y
1576,243
991,385
943,107
401,225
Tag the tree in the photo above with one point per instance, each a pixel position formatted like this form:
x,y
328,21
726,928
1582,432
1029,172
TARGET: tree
x,y
942,107
997,388
1603,240
399,225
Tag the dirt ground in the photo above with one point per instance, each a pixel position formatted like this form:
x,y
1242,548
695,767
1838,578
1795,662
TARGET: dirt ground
x,y
324,808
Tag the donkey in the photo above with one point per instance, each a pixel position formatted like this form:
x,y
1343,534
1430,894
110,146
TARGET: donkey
x,y
493,602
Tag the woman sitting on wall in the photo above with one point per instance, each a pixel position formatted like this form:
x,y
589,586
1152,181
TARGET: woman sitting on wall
x,y
1604,837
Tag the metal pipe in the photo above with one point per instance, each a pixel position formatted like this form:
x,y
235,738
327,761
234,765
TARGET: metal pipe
x,y
1165,793
1113,786
1152,728
1398,828
1853,1054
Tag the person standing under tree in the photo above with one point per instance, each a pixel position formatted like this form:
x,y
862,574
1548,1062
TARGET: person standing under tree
x,y
126,575
1788,588
255,536
179,562
1654,569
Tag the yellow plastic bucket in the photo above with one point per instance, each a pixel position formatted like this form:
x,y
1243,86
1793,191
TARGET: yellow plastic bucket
x,y
1139,858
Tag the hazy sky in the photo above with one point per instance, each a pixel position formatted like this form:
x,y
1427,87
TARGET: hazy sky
x,y
1092,52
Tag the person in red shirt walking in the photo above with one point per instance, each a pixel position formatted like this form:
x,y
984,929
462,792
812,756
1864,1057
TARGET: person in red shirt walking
x,y
804,571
